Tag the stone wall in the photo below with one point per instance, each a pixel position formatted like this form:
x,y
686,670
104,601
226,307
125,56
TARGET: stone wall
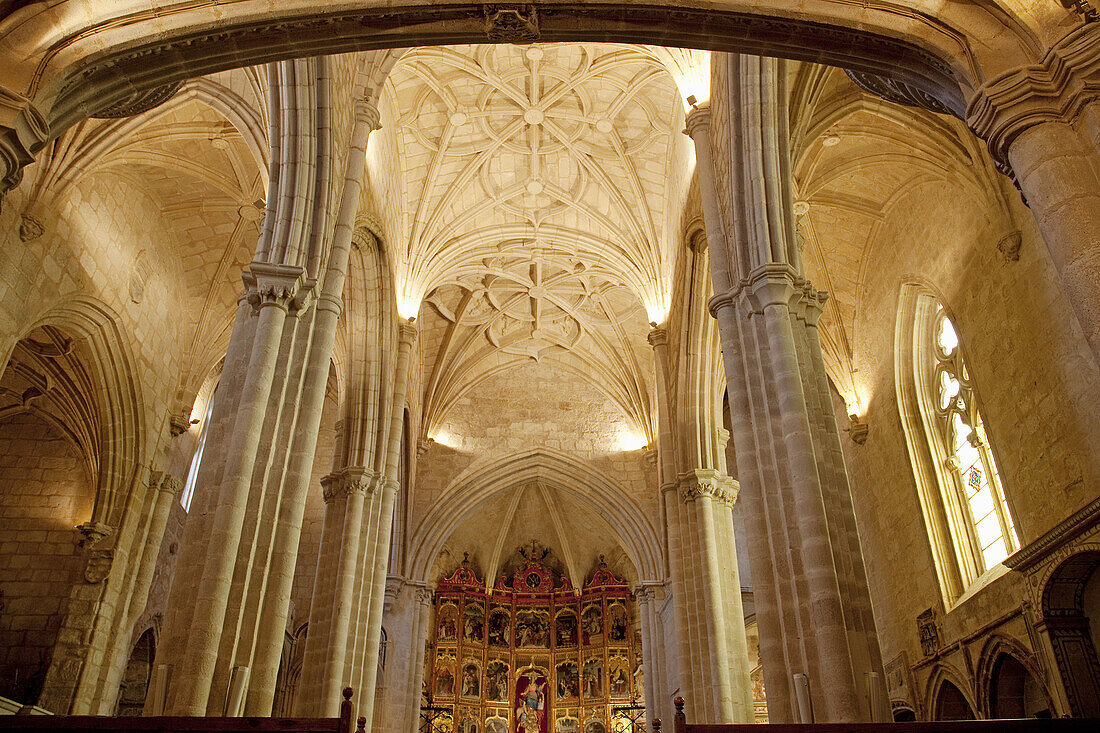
x,y
45,492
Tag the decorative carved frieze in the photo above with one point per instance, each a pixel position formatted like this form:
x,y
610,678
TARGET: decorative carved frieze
x,y
900,92
139,102
1069,529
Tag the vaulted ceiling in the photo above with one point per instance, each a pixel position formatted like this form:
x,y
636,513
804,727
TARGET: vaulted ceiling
x,y
536,210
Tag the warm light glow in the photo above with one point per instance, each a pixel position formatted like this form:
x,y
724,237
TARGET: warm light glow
x,y
444,438
408,306
690,68
656,314
853,404
629,440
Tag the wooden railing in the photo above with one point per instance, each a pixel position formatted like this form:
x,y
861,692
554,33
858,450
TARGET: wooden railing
x,y
1056,725
170,724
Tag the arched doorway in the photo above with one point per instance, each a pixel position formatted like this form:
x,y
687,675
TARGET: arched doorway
x,y
1014,692
1071,615
135,680
951,704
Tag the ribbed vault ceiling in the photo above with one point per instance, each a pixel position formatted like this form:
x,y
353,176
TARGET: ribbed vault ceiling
x,y
536,187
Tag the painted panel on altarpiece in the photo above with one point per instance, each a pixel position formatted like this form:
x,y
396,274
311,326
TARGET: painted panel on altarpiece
x,y
534,655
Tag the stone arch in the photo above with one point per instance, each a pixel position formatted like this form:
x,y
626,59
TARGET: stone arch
x,y
1003,662
1065,607
946,699
934,54
122,441
553,468
139,670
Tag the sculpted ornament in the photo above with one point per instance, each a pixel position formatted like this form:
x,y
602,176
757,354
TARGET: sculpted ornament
x,y
98,566
361,482
511,23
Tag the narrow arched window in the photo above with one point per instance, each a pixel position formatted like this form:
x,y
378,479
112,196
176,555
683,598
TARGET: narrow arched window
x,y
968,520
188,493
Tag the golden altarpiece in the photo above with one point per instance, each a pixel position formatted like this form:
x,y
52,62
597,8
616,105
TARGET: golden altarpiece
x,y
534,655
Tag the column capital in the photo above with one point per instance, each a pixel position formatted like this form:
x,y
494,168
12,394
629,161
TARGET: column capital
x,y
407,331
708,483
347,482
275,285
658,337
171,484
424,595
366,112
23,132
697,120
1055,89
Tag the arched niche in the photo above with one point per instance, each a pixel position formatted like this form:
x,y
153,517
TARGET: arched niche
x,y
135,679
1070,605
1014,692
950,703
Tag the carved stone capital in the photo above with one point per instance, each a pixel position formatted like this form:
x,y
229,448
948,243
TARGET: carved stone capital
x,y
772,284
274,285
708,483
394,585
406,331
23,132
366,111
857,430
697,120
348,482
171,484
98,566
424,596
650,457
423,446
1054,90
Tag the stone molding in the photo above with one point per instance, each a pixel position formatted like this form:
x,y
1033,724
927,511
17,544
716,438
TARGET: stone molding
x,y
1054,90
1035,552
708,483
282,286
23,132
349,482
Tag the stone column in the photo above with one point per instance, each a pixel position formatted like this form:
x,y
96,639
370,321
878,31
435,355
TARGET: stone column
x,y
346,613
807,571
276,287
713,663
1040,126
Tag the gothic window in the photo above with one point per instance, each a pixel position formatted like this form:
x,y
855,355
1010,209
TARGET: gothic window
x,y
188,492
968,520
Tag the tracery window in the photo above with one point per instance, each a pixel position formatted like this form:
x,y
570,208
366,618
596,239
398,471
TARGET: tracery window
x,y
969,523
